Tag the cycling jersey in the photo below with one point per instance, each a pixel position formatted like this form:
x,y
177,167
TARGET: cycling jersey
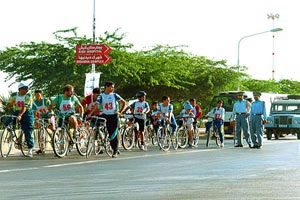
x,y
109,102
140,108
66,105
40,107
19,102
164,110
187,117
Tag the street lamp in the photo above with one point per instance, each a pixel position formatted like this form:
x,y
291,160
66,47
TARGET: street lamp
x,y
247,36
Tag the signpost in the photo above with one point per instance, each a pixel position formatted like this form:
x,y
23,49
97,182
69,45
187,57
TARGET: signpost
x,y
92,54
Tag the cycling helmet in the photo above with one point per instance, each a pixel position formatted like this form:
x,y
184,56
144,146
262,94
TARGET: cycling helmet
x,y
141,94
187,106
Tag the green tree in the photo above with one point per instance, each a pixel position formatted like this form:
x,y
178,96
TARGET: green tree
x,y
161,70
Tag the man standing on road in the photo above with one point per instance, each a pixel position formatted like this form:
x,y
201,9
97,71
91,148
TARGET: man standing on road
x,y
109,102
241,110
20,103
257,120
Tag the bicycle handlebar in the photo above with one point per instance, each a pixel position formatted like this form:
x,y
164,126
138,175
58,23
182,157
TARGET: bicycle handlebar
x,y
8,116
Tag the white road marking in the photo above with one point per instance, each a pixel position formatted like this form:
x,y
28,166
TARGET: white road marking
x,y
127,158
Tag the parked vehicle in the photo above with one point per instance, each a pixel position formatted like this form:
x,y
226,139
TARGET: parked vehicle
x,y
284,118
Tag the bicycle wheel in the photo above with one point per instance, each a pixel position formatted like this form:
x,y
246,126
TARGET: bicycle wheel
x,y
107,146
218,141
182,135
42,134
174,141
99,144
147,136
208,136
81,141
6,142
196,136
90,144
163,139
60,142
22,143
152,135
128,138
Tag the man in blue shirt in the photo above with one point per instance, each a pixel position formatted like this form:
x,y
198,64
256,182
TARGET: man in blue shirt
x,y
257,120
241,110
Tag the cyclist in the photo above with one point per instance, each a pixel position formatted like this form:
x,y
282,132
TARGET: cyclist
x,y
154,115
109,100
188,117
40,108
20,103
140,109
89,102
218,114
196,110
165,110
67,104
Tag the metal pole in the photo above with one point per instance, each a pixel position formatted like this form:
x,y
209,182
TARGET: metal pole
x,y
94,30
273,17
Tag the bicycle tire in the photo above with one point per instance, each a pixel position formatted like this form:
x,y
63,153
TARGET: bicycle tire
x,y
147,136
42,139
60,142
90,144
163,139
107,146
81,141
208,137
174,141
218,141
6,142
182,135
128,138
196,137
23,144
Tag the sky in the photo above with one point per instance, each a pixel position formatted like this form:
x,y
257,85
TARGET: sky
x,y
210,28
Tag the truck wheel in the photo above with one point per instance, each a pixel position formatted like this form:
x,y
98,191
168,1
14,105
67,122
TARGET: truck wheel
x,y
298,136
269,134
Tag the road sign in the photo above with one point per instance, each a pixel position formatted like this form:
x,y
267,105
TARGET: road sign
x,y
92,49
92,54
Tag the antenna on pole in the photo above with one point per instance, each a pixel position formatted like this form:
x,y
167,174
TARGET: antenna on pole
x,y
273,17
94,30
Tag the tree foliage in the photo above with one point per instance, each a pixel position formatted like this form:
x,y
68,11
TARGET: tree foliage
x,y
160,70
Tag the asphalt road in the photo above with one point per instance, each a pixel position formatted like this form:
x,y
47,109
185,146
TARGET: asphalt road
x,y
272,172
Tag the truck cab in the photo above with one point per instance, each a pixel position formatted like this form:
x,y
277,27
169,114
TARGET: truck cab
x,y
284,118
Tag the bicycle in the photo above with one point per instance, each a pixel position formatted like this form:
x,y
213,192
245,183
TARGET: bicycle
x,y
98,138
212,133
130,134
62,139
43,135
9,136
165,137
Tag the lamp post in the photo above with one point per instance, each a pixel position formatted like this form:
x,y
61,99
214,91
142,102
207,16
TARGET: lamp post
x,y
273,17
247,36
